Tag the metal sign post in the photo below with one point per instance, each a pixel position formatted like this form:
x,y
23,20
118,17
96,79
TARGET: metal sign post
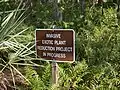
x,y
55,72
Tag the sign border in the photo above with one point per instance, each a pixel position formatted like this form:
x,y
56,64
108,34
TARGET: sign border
x,y
56,30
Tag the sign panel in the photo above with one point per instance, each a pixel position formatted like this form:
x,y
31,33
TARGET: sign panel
x,y
56,44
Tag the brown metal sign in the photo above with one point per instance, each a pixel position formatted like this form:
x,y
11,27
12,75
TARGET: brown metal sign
x,y
56,44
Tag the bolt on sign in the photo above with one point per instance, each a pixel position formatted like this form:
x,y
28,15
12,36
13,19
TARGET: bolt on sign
x,y
56,44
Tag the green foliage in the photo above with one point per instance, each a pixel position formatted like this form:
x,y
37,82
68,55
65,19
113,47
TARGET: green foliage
x,y
71,75
98,43
47,75
37,80
33,77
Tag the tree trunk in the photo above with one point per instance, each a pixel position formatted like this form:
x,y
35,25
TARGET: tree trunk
x,y
83,7
57,14
118,11
100,2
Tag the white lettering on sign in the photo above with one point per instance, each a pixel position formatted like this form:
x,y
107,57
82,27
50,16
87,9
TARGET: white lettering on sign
x,y
47,42
64,49
46,48
53,35
59,42
52,48
44,54
56,55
